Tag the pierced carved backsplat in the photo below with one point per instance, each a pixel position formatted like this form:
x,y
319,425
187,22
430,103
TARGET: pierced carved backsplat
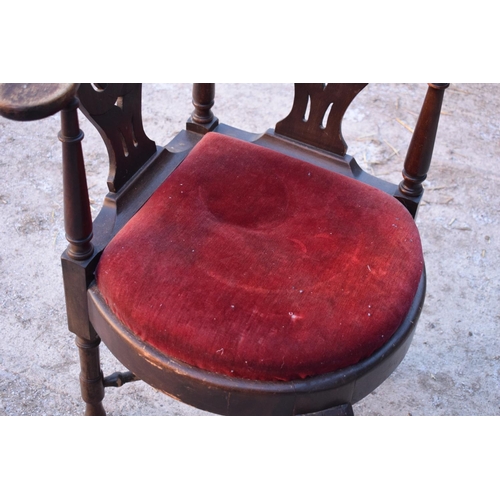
x,y
317,112
115,110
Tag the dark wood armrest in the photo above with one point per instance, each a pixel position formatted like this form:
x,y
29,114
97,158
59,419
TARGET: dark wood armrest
x,y
34,101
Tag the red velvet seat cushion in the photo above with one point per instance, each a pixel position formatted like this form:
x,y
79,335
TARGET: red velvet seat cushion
x,y
251,264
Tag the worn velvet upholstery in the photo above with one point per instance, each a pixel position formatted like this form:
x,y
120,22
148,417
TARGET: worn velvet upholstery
x,y
252,264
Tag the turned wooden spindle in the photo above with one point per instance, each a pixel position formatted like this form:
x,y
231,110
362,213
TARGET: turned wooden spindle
x,y
202,119
78,226
77,215
418,158
91,377
203,100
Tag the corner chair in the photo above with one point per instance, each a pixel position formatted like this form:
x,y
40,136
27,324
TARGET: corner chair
x,y
240,273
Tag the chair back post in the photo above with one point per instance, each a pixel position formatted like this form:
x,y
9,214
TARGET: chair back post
x,y
418,157
202,119
77,215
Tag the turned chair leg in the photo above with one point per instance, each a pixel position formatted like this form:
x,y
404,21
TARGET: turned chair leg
x,y
91,378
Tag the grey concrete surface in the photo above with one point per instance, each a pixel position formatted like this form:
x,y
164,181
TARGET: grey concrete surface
x,y
453,366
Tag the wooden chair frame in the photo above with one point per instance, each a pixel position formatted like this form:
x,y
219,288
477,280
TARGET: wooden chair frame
x,y
137,168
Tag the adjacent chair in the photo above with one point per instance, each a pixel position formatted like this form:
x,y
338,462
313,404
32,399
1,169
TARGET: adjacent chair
x,y
243,274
